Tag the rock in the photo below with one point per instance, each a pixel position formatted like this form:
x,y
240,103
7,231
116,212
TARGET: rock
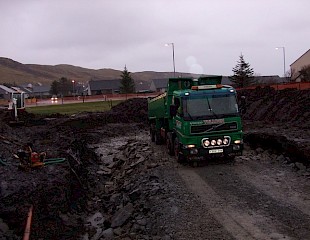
x,y
142,159
280,158
122,215
115,198
166,237
107,234
142,222
152,165
118,231
96,220
104,171
259,150
3,226
134,195
108,187
113,164
129,171
300,166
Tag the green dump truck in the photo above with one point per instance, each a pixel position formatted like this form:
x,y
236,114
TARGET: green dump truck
x,y
197,119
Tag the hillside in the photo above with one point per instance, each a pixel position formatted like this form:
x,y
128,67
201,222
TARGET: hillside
x,y
18,73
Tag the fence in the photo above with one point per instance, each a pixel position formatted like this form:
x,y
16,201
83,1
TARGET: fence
x,y
282,86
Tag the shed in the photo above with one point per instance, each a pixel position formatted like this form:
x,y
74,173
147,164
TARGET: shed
x,y
6,92
159,85
97,87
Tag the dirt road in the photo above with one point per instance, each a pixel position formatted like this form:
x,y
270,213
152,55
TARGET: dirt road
x,y
260,196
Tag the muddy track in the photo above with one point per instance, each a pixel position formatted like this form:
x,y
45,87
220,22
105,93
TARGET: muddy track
x,y
257,197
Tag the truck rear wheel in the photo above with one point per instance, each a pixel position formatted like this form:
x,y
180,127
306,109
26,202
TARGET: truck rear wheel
x,y
170,144
158,139
178,156
152,135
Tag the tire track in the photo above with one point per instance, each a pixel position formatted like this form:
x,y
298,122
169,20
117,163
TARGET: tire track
x,y
245,212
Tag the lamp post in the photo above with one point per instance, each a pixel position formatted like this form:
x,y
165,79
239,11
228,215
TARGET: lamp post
x,y
73,88
283,48
172,44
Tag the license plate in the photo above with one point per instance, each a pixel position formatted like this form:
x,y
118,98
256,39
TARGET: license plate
x,y
216,151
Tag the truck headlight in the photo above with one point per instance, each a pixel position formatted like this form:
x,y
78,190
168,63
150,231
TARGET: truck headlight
x,y
225,141
213,142
189,146
219,142
206,143
238,141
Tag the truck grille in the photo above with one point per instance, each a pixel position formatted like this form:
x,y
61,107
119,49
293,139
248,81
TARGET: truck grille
x,y
213,127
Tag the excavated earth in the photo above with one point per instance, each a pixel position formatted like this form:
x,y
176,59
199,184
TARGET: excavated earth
x,y
117,184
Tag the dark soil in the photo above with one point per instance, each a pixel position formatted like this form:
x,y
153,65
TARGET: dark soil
x,y
279,120
274,119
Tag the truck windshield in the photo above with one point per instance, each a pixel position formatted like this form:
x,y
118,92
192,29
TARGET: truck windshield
x,y
209,106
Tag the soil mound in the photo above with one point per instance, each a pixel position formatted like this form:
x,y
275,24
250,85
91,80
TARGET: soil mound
x,y
271,106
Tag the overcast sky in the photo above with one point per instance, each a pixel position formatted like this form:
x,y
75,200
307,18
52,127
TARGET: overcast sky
x,y
208,35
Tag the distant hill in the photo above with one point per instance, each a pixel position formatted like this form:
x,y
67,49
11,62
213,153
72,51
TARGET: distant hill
x,y
18,73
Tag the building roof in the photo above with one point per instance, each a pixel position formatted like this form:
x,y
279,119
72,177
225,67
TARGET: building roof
x,y
40,89
265,79
21,89
9,90
96,85
160,83
300,57
226,80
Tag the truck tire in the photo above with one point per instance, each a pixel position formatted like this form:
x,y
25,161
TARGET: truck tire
x,y
178,156
152,133
170,144
158,139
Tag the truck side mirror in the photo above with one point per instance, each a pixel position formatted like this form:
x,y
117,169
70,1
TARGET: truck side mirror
x,y
173,110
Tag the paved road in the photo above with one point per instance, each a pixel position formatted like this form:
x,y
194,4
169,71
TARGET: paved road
x,y
80,100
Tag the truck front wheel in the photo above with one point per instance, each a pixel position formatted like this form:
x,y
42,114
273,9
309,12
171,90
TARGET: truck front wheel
x,y
178,156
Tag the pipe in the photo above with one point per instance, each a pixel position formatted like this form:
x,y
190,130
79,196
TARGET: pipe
x,y
53,161
28,224
3,162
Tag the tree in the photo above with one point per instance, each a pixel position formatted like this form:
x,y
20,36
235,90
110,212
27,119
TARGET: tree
x,y
127,83
62,86
305,73
55,88
243,74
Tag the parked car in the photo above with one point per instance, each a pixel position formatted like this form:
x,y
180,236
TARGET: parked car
x,y
54,98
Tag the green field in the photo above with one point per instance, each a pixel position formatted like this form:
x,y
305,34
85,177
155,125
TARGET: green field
x,y
73,108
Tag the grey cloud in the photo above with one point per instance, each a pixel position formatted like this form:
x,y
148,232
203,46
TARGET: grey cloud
x,y
112,33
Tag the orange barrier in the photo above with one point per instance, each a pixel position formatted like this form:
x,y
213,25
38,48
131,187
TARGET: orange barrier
x,y
282,86
30,100
297,85
28,224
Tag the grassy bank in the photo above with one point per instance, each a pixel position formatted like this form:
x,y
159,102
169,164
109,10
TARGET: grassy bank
x,y
73,108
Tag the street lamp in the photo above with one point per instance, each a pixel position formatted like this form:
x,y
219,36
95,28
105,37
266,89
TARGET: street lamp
x,y
73,87
172,44
283,48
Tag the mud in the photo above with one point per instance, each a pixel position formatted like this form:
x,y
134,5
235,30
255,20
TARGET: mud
x,y
111,169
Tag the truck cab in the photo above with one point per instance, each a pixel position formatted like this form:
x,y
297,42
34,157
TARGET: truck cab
x,y
198,119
